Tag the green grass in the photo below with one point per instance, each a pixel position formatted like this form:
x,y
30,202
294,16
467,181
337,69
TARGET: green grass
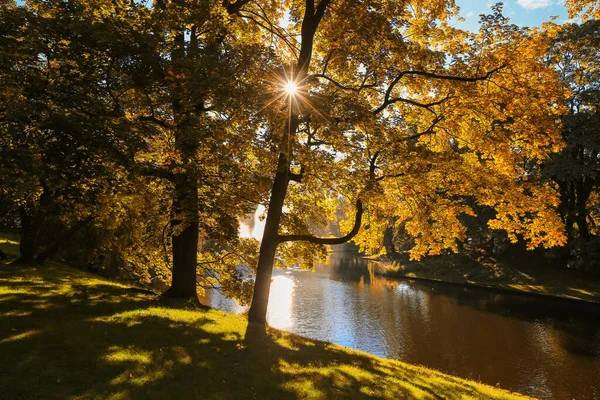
x,y
66,334
527,275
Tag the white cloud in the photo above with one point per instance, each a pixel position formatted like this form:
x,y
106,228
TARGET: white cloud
x,y
533,4
469,14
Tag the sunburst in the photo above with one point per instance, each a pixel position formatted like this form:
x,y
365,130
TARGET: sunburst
x,y
292,90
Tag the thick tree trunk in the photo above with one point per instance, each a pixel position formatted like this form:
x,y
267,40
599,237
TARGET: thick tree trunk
x,y
27,241
184,225
584,189
268,246
184,221
582,224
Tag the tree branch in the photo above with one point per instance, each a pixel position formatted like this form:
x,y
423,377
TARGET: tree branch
x,y
153,119
343,87
329,241
413,103
402,74
234,7
150,169
296,177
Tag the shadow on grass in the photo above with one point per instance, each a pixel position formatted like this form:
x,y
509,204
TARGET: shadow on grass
x,y
66,334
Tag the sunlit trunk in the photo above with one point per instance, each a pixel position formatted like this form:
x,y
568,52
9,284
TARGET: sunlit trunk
x,y
268,247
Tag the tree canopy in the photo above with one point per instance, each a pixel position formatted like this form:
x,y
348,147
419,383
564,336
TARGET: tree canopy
x,y
147,131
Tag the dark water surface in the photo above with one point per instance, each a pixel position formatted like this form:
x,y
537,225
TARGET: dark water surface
x,y
540,347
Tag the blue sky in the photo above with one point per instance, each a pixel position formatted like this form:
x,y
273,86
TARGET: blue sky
x,y
520,12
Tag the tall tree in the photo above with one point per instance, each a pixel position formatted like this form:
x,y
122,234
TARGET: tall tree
x,y
575,169
201,100
402,114
58,129
121,94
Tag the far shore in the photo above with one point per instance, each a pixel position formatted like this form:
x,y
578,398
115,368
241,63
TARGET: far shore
x,y
529,277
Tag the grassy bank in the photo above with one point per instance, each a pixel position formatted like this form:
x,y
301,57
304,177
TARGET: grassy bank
x,y
67,334
526,274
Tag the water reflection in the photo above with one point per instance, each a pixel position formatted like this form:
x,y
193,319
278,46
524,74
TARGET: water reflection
x,y
280,298
540,347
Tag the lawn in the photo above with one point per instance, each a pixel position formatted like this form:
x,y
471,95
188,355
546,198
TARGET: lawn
x,y
67,334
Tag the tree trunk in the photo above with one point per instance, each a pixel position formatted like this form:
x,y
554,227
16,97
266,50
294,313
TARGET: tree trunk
x,y
260,297
582,224
184,221
27,241
268,246
184,224
388,242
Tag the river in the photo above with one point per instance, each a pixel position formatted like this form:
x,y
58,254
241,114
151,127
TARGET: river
x,y
540,347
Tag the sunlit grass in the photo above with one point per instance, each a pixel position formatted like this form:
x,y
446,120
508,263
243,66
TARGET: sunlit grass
x,y
66,334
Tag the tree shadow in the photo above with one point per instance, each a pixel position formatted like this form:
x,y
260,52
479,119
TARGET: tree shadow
x,y
69,335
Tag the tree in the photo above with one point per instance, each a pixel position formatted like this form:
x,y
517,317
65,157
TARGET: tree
x,y
575,169
58,133
203,104
403,115
123,95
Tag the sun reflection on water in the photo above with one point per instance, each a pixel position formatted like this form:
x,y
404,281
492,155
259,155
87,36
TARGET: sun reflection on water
x,y
280,302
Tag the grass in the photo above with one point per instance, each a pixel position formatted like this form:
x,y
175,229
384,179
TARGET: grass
x,y
527,274
67,334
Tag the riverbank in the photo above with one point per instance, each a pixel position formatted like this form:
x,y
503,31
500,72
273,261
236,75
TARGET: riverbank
x,y
69,334
525,275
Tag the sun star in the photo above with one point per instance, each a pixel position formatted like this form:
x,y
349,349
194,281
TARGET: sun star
x,y
290,88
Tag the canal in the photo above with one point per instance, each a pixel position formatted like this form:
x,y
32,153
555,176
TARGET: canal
x,y
537,346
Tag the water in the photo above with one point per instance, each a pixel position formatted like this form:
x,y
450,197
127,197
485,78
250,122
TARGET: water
x,y
540,347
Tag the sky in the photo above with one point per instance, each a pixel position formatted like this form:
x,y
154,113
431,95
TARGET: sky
x,y
521,12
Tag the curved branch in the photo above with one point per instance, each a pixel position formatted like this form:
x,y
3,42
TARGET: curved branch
x,y
426,106
330,241
344,87
431,75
